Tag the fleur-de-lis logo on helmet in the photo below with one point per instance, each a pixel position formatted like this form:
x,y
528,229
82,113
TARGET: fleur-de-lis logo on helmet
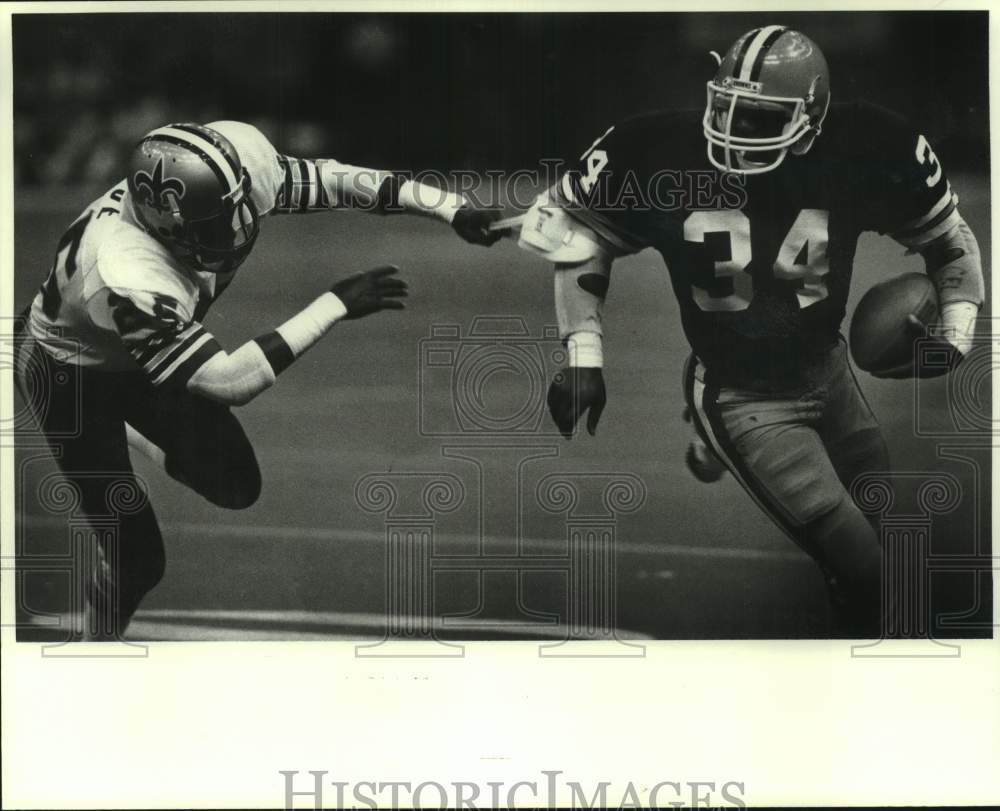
x,y
158,189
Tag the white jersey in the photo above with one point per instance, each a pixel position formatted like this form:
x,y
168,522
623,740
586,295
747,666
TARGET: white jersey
x,y
117,300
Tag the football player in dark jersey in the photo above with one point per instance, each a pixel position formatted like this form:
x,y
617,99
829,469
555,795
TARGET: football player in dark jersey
x,y
756,205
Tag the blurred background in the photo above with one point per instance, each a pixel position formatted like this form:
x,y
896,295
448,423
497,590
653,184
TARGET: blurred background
x,y
472,91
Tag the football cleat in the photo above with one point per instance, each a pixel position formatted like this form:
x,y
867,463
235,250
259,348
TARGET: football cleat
x,y
701,460
189,190
703,463
769,96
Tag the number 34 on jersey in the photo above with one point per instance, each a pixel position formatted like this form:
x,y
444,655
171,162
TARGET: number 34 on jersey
x,y
802,256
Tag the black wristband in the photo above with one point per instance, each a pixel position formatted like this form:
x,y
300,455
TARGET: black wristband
x,y
277,352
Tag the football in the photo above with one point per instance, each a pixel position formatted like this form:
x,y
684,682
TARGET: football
x,y
880,337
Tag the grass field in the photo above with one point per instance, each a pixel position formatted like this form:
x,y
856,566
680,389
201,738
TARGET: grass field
x,y
695,561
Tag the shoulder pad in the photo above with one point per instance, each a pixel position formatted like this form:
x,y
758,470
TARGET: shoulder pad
x,y
549,231
259,158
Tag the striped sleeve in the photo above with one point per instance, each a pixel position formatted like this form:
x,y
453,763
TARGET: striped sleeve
x,y
168,348
908,192
301,189
175,356
323,184
938,220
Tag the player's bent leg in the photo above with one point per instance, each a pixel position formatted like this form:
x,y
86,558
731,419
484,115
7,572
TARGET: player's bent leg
x,y
203,445
87,435
849,554
131,562
850,429
781,461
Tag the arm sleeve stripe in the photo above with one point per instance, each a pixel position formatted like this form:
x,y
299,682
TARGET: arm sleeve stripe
x,y
313,183
198,349
286,187
322,200
923,229
303,181
144,353
950,220
150,356
918,223
193,362
278,353
170,353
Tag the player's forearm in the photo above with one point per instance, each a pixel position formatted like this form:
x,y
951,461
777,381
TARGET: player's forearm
x,y
954,265
579,298
237,378
321,185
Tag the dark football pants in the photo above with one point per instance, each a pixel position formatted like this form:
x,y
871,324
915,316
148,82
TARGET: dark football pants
x,y
204,444
796,452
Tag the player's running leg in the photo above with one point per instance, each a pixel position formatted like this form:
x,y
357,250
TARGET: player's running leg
x,y
78,411
854,441
198,442
772,448
850,429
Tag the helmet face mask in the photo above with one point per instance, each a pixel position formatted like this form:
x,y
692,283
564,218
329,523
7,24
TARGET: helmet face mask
x,y
189,191
220,243
769,96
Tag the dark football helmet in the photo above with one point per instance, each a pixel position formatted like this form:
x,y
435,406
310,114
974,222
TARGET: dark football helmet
x,y
769,96
189,190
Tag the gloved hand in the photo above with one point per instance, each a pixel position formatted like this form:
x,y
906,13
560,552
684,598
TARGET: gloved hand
x,y
373,290
473,225
573,391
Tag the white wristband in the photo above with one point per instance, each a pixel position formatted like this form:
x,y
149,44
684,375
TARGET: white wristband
x,y
958,318
585,349
303,330
419,198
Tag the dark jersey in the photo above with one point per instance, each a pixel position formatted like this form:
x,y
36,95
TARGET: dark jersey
x,y
761,264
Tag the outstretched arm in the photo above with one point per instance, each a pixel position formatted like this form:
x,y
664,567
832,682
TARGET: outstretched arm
x,y
175,351
235,379
322,184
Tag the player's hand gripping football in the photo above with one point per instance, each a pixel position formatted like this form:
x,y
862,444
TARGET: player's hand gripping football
x,y
473,225
373,290
953,356
573,391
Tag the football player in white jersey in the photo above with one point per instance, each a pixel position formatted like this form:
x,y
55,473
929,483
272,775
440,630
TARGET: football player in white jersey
x,y
120,313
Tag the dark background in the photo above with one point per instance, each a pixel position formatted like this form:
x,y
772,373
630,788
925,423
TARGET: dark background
x,y
475,92
447,91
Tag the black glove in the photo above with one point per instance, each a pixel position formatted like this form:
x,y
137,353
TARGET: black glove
x,y
371,291
473,225
573,391
946,355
